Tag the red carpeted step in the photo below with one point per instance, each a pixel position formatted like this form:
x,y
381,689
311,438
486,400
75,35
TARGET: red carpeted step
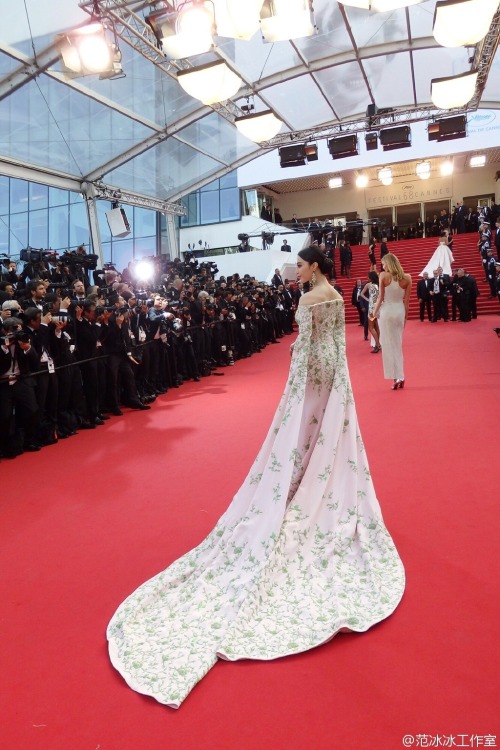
x,y
414,255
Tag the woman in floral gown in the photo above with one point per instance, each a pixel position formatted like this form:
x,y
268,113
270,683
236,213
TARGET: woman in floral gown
x,y
301,553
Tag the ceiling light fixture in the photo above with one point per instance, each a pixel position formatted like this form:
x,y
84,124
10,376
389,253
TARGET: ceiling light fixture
x,y
385,176
361,181
459,23
91,49
283,20
335,182
455,91
259,126
423,170
238,20
186,31
210,83
477,161
446,168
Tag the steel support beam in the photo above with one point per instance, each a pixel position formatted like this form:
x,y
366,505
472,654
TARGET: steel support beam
x,y
29,69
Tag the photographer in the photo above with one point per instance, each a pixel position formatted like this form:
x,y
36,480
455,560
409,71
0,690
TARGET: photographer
x,y
87,336
158,335
35,295
121,386
39,331
18,404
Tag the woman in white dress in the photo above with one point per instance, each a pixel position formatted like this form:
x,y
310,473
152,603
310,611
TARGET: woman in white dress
x,y
301,554
393,302
441,258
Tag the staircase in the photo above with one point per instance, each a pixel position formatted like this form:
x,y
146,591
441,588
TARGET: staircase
x,y
413,256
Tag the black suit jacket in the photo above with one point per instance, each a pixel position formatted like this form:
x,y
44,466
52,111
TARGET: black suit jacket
x,y
424,287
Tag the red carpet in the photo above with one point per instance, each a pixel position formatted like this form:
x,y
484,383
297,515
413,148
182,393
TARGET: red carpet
x,y
83,523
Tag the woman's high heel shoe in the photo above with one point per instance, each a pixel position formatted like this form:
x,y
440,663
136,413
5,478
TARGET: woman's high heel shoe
x,y
398,384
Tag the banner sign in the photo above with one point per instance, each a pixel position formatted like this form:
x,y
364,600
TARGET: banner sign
x,y
412,191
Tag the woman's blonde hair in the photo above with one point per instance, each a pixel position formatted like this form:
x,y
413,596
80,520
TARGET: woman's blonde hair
x,y
393,266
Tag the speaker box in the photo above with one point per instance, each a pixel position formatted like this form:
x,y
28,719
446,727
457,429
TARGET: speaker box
x,y
371,141
292,156
392,138
118,222
346,145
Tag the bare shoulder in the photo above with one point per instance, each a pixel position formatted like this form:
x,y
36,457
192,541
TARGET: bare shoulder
x,y
406,281
315,298
384,278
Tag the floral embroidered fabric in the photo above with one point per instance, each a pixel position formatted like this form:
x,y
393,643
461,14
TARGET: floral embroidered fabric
x,y
301,554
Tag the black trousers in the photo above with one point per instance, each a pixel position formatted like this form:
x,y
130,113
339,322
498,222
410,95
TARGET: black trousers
x,y
18,410
425,305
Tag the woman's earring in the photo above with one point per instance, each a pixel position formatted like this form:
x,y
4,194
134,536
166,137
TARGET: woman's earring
x,y
313,280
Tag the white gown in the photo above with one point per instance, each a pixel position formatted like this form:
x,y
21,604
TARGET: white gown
x,y
442,257
301,554
392,323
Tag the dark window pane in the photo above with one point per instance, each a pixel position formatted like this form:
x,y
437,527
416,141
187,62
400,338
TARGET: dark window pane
x,y
229,180
39,196
18,196
38,235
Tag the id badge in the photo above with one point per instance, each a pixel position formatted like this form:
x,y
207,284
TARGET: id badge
x,y
50,366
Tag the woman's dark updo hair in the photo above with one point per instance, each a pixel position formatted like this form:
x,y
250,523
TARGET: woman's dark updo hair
x,y
315,255
373,276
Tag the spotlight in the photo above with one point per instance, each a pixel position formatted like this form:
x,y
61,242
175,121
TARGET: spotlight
x,y
185,32
447,129
91,49
258,126
361,181
210,83
343,146
298,154
392,138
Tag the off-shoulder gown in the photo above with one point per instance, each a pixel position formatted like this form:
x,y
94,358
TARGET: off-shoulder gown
x,y
301,553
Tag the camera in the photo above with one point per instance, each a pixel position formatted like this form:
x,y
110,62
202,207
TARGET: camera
x,y
20,336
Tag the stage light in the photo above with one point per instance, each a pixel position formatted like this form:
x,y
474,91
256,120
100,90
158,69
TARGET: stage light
x,y
477,161
258,126
210,83
423,170
455,91
446,168
283,20
185,32
343,146
361,181
335,182
392,138
90,49
371,141
459,23
298,154
447,129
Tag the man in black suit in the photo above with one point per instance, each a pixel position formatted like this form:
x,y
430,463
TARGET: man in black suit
x,y
41,332
461,296
285,248
87,336
286,294
460,215
356,301
424,296
277,279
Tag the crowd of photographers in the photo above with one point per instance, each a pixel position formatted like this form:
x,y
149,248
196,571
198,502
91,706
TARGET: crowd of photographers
x,y
77,344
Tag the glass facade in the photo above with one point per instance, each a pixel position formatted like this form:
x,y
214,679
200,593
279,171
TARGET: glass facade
x,y
219,201
38,216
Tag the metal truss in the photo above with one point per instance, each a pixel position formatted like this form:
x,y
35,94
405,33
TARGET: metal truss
x,y
133,30
364,124
105,192
483,59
